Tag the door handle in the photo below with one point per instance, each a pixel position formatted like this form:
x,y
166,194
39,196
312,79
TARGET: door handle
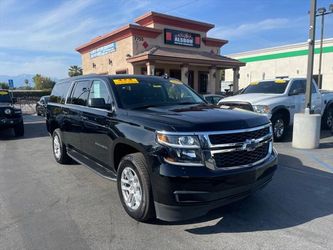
x,y
65,112
84,118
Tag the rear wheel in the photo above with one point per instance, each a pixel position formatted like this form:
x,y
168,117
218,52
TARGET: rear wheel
x,y
134,187
59,149
280,126
19,130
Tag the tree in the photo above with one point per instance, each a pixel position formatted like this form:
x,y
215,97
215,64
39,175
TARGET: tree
x,y
26,82
43,82
74,70
4,85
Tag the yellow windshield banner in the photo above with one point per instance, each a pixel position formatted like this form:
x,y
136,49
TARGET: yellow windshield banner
x,y
175,81
123,81
280,81
254,83
3,93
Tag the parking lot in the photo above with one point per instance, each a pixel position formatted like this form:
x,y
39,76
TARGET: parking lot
x,y
44,205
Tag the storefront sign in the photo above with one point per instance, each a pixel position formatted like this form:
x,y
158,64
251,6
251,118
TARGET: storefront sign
x,y
103,50
182,38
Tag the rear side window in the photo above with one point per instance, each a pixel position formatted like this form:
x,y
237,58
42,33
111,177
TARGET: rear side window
x,y
80,93
59,92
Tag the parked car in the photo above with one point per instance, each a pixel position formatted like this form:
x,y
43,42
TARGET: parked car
x,y
173,156
213,98
280,99
10,117
41,105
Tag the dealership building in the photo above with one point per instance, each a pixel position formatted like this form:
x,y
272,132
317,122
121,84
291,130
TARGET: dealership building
x,y
283,61
159,44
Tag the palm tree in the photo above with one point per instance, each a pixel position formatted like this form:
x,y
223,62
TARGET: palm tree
x,y
74,70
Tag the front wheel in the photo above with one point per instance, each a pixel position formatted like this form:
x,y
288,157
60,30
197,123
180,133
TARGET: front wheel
x,y
134,187
279,124
328,118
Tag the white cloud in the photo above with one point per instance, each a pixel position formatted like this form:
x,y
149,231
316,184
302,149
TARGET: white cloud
x,y
246,29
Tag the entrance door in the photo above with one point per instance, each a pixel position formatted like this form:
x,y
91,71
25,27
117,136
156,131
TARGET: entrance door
x,y
203,82
176,73
191,79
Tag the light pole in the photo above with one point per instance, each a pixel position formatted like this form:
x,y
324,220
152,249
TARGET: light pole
x,y
322,12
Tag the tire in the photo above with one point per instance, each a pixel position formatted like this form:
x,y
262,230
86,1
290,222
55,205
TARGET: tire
x,y
19,130
142,209
328,118
280,126
59,149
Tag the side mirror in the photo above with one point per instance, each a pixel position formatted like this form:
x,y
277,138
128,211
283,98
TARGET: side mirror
x,y
97,103
14,100
294,92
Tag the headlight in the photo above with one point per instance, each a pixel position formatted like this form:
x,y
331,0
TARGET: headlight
x,y
181,149
178,141
263,109
8,111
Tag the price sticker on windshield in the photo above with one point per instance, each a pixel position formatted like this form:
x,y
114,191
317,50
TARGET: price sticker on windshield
x,y
175,81
3,93
280,81
124,81
254,83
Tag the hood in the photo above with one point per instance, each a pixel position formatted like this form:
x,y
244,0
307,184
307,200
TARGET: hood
x,y
251,98
199,117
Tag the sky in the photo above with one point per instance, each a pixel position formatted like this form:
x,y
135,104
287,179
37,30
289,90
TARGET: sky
x,y
39,36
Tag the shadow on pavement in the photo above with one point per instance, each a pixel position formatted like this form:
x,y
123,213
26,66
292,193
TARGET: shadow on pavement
x,y
298,194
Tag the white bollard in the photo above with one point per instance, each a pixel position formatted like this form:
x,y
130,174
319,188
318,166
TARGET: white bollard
x,y
306,132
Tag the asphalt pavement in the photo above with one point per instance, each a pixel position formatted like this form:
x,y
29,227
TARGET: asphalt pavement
x,y
44,205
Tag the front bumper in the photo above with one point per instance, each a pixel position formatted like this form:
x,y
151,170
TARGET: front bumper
x,y
182,193
9,122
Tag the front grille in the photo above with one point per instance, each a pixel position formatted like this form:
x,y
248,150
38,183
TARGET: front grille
x,y
240,158
238,137
240,105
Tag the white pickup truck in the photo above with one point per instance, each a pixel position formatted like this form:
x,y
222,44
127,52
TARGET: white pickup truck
x,y
280,99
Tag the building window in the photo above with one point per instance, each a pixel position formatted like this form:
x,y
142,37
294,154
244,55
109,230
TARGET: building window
x,y
176,73
143,71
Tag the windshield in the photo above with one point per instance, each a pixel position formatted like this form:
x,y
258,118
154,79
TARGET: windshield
x,y
5,96
147,92
267,87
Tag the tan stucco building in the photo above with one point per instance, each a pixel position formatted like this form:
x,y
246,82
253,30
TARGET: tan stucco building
x,y
284,61
161,44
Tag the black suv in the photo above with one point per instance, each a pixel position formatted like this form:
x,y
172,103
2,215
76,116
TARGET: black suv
x,y
174,156
10,117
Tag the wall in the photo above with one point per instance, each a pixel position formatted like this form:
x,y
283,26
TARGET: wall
x,y
295,66
118,58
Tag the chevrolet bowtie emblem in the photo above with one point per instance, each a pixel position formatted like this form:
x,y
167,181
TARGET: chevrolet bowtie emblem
x,y
250,145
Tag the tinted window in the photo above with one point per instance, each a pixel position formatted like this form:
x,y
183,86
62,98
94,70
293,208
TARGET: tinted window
x,y
298,86
139,93
59,92
267,87
80,93
99,90
314,90
216,99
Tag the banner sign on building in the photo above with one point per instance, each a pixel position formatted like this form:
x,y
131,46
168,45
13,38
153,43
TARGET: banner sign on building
x,y
103,50
182,38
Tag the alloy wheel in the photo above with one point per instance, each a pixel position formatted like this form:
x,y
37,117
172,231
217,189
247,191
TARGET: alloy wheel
x,y
131,188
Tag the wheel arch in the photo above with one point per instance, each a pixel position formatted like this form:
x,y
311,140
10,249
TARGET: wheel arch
x,y
284,110
124,147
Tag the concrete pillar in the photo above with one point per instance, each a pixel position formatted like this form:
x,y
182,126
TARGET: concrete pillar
x,y
235,79
211,88
184,73
150,69
196,80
